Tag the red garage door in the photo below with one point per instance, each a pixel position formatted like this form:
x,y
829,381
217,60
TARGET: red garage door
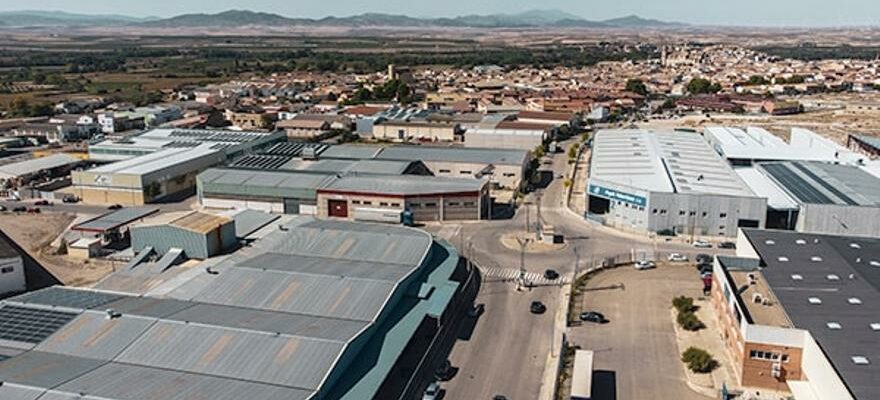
x,y
337,208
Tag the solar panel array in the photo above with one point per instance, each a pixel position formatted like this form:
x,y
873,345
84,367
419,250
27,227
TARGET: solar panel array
x,y
261,161
61,297
215,136
181,144
794,183
825,184
31,325
294,149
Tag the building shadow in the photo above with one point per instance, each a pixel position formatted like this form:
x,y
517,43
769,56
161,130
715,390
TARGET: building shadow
x,y
604,385
36,276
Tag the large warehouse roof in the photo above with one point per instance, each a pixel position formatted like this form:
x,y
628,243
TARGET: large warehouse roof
x,y
754,143
35,165
263,183
455,154
663,161
849,301
270,322
157,161
824,183
115,219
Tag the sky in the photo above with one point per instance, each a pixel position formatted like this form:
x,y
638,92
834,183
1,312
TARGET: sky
x,y
708,12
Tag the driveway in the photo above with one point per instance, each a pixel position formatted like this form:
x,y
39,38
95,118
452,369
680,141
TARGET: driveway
x,y
636,356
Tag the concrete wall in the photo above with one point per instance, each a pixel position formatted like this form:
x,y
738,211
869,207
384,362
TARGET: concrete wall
x,y
424,208
839,220
821,374
704,214
12,277
505,176
501,141
392,131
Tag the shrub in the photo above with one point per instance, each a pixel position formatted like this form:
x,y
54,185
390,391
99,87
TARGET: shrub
x,y
683,304
699,360
689,321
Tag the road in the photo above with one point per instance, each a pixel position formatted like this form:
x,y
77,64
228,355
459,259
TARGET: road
x,y
508,347
85,209
636,353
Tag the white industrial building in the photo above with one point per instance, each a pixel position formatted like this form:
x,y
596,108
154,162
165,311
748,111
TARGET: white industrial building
x,y
746,146
667,182
519,139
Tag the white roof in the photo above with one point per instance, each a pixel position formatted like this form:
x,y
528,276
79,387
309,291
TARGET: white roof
x,y
663,161
754,143
159,160
764,187
36,165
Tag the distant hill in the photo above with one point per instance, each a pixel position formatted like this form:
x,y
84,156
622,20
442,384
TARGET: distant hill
x,y
242,18
58,18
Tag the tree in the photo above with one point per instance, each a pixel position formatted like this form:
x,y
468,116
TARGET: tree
x,y
702,86
699,360
689,321
755,80
573,152
636,86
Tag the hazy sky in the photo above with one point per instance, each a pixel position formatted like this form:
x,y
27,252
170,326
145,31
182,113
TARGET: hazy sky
x,y
715,12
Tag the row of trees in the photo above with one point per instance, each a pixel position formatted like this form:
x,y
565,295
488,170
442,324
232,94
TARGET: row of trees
x,y
395,90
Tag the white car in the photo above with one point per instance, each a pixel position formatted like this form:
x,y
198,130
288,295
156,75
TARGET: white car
x,y
702,244
432,392
676,257
645,264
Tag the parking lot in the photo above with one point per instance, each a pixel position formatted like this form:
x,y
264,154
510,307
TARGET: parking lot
x,y
636,356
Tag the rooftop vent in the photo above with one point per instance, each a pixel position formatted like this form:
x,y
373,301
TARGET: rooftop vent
x,y
814,300
113,314
855,245
854,301
860,360
783,259
875,263
833,325
875,326
800,241
816,259
769,242
797,277
211,271
832,277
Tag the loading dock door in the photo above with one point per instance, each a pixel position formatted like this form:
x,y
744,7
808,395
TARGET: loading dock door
x,y
337,208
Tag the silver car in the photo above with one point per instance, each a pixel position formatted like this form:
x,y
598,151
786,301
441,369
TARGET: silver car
x,y
432,392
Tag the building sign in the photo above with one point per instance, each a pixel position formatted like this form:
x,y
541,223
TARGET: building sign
x,y
617,195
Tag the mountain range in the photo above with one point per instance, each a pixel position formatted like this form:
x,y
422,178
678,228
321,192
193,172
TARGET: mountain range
x,y
241,18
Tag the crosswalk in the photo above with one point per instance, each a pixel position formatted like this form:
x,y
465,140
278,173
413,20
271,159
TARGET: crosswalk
x,y
511,274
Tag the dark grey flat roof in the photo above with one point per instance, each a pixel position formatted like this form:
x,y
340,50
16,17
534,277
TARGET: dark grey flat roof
x,y
115,219
813,182
836,270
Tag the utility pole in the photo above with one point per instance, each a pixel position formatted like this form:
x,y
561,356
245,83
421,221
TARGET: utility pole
x,y
528,222
540,221
521,280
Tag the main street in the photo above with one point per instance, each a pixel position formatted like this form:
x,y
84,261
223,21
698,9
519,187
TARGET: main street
x,y
505,349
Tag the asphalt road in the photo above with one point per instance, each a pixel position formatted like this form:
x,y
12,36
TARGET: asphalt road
x,y
636,355
79,208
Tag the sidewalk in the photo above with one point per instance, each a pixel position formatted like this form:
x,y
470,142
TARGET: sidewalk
x,y
707,339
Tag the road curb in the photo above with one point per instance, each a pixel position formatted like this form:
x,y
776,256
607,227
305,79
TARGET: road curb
x,y
554,360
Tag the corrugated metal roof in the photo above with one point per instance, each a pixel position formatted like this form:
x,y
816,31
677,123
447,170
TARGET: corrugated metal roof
x,y
46,370
262,183
36,165
248,221
131,382
351,151
115,219
157,161
11,391
325,266
455,154
93,335
268,358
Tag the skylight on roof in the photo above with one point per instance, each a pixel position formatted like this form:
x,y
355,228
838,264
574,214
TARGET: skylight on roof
x,y
783,259
800,241
816,259
769,242
855,245
834,325
814,300
832,277
875,263
854,300
875,326
860,360
797,277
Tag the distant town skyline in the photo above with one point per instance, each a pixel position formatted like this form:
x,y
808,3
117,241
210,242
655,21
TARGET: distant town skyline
x,y
742,13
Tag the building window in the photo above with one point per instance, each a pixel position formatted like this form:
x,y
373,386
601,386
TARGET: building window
x,y
705,214
654,211
430,204
681,212
355,202
464,172
383,204
414,205
395,204
470,204
692,213
509,174
6,270
444,171
368,203
452,204
721,228
722,215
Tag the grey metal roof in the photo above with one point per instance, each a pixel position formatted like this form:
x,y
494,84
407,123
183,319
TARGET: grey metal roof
x,y
132,382
148,306
261,357
262,183
327,266
872,141
93,335
11,391
851,260
248,221
823,183
115,219
36,165
46,370
351,151
455,154
60,296
404,185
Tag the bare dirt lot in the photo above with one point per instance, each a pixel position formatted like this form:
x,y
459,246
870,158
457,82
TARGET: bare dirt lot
x,y
35,233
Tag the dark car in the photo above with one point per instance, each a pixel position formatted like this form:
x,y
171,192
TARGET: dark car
x,y
593,316
34,210
115,207
70,199
43,203
537,307
19,209
444,371
476,310
499,397
703,259
551,274
727,245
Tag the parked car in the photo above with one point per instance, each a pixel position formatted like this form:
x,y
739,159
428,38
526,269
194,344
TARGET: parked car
x,y
33,210
70,199
677,257
499,397
432,392
593,316
20,209
702,244
645,264
703,259
43,203
476,310
2,208
551,274
444,371
537,307
115,207
727,245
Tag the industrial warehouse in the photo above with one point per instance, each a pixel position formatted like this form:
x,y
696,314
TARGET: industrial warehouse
x,y
667,182
797,314
308,309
